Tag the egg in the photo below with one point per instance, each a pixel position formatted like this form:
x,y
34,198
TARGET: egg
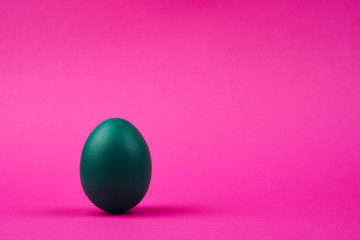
x,y
115,166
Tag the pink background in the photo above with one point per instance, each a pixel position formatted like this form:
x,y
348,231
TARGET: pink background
x,y
250,109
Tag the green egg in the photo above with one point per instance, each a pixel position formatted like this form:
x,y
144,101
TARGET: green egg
x,y
115,167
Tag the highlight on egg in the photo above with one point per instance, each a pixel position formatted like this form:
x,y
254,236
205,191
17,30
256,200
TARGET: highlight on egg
x,y
115,166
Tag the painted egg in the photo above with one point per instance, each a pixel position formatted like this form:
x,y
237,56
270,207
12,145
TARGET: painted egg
x,y
115,167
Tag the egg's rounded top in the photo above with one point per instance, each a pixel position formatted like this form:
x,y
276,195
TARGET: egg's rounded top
x,y
115,167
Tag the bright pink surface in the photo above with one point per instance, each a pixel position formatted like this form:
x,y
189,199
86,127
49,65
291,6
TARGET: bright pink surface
x,y
250,109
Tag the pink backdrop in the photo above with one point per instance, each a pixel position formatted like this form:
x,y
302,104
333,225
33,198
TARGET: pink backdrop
x,y
250,109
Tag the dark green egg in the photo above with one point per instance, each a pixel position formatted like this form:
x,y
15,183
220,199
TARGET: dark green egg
x,y
115,167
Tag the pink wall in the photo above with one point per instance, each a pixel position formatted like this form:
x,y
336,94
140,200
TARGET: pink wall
x,y
250,109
